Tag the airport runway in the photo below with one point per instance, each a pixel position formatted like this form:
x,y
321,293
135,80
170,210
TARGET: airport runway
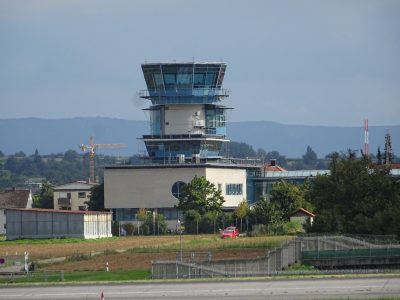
x,y
244,290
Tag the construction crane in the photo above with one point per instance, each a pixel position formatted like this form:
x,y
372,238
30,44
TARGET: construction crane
x,y
92,148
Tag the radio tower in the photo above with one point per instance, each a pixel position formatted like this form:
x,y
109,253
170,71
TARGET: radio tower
x,y
366,138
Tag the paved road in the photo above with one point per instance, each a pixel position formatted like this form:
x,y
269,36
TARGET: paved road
x,y
273,289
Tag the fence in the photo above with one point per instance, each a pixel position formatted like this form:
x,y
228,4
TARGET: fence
x,y
19,277
342,249
274,261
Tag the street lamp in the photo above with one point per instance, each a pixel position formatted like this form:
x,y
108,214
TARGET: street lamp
x,y
179,230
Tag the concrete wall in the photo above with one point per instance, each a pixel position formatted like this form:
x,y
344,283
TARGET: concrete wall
x,y
181,119
144,188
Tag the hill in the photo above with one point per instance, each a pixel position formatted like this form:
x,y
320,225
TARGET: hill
x,y
59,135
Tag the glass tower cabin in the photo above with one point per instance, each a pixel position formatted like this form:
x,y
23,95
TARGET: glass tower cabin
x,y
187,119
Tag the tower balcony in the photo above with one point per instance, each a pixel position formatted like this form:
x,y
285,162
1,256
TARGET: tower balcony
x,y
203,95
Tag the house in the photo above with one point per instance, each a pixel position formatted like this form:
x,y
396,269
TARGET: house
x,y
48,223
302,216
72,196
13,198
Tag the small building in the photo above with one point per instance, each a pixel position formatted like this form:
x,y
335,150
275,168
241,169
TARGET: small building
x,y
302,215
13,198
72,196
48,223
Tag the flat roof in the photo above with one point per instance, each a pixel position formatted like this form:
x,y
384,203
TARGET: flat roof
x,y
181,166
84,212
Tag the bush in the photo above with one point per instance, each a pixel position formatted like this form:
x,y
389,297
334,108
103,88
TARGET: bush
x,y
129,228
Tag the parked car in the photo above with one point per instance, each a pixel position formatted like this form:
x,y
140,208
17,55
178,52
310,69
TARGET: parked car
x,y
230,232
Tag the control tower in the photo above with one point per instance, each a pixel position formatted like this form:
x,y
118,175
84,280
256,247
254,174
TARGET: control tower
x,y
187,118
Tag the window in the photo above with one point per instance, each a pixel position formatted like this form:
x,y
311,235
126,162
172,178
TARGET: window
x,y
219,187
81,194
177,188
234,189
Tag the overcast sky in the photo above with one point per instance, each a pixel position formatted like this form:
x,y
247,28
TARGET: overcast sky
x,y
294,62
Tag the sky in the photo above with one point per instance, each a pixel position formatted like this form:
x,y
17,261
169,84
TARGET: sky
x,y
331,63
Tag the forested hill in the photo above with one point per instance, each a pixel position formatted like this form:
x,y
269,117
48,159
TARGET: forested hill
x,y
59,135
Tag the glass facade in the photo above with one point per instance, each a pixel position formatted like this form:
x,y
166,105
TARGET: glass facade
x,y
185,83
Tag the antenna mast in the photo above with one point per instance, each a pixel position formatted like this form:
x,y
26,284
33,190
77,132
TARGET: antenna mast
x,y
366,138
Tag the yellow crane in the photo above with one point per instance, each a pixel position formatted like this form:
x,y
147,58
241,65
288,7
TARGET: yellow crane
x,y
92,148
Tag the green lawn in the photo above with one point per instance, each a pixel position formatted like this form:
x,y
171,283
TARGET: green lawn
x,y
36,277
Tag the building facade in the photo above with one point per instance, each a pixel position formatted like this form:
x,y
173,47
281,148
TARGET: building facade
x,y
72,196
157,187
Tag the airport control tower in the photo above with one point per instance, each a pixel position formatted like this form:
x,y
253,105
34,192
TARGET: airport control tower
x,y
186,115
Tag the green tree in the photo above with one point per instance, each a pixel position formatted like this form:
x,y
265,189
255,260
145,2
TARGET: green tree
x,y
192,219
200,195
96,201
379,156
266,212
310,157
45,197
357,197
289,197
241,211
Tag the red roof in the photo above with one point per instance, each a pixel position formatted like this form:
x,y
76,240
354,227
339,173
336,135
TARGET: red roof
x,y
14,198
304,211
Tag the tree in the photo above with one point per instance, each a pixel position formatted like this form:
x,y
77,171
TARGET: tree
x,y
238,150
267,212
1,154
45,197
289,197
310,157
96,201
200,195
241,211
379,156
192,218
280,159
357,197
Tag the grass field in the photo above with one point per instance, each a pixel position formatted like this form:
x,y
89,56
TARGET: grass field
x,y
134,253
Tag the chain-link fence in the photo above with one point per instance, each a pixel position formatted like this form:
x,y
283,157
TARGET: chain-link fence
x,y
338,251
275,260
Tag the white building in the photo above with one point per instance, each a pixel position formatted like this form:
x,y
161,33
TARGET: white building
x,y
157,187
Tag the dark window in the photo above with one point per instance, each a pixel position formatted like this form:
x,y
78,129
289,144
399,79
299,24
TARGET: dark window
x,y
234,189
81,195
177,188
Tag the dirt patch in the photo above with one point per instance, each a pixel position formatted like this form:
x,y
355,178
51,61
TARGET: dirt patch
x,y
130,260
45,251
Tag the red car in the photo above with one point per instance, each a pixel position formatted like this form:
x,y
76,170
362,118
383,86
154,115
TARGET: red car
x,y
230,232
